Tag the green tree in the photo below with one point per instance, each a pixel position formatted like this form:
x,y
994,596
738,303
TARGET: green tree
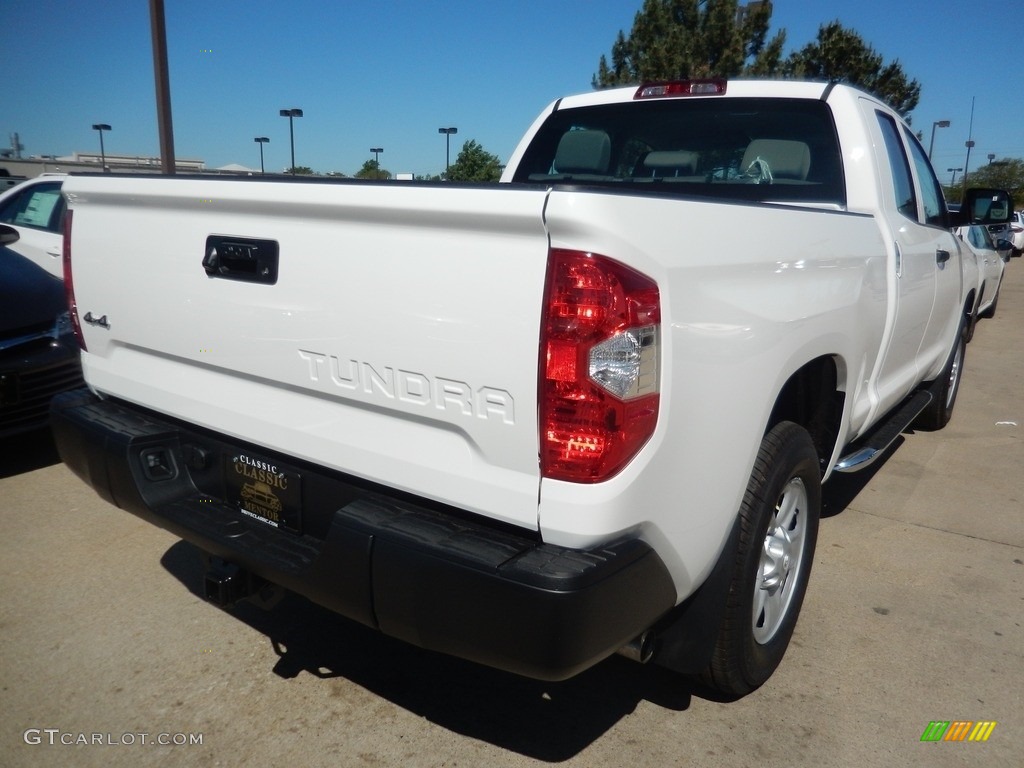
x,y
371,170
841,54
676,39
301,170
474,164
1005,174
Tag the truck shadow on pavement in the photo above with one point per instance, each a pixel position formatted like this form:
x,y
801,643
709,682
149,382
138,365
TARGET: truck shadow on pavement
x,y
27,452
841,489
551,722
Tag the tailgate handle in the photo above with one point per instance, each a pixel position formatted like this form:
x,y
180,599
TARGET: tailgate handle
x,y
248,259
941,256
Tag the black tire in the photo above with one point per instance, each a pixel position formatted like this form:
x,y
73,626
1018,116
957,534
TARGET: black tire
x,y
970,323
772,562
945,388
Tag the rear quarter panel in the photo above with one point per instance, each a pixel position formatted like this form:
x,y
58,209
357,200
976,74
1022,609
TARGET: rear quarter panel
x,y
750,293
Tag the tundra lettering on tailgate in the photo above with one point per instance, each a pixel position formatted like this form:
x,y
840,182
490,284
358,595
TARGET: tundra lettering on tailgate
x,y
384,383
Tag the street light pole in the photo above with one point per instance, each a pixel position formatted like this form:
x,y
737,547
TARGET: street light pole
x,y
954,171
447,145
936,124
376,159
261,140
967,164
101,127
291,113
969,144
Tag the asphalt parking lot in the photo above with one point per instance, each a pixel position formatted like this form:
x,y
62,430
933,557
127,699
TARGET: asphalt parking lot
x,y
914,615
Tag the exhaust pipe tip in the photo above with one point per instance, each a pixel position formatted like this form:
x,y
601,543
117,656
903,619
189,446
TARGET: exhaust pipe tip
x,y
640,649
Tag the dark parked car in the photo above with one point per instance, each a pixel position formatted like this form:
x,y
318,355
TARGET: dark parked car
x,y
38,353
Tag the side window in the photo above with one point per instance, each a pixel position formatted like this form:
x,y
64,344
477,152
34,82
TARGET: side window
x,y
902,181
931,192
39,207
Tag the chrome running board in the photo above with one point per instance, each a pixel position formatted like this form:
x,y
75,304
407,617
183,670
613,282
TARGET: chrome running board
x,y
865,451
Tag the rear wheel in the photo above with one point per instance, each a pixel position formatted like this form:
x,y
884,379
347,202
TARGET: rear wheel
x,y
944,389
778,530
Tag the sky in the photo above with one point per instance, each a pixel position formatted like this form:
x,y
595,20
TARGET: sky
x,y
389,73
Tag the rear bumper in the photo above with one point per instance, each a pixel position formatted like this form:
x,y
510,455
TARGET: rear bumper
x,y
434,577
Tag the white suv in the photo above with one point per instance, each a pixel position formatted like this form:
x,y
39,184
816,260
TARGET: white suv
x,y
35,208
1017,232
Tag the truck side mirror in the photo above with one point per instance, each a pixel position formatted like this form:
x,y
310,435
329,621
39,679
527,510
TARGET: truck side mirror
x,y
983,205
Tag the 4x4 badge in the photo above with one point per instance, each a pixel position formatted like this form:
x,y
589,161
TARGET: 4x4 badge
x,y
101,322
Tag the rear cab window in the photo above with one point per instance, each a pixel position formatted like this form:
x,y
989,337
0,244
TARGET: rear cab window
x,y
761,149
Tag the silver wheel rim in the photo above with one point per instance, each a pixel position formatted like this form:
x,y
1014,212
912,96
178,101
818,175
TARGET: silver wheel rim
x,y
954,374
781,561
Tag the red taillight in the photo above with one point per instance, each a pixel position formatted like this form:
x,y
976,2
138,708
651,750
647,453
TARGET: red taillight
x,y
714,87
69,285
599,366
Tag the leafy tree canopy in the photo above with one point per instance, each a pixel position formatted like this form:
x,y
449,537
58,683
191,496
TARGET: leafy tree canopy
x,y
371,170
300,170
841,54
474,164
677,39
1005,174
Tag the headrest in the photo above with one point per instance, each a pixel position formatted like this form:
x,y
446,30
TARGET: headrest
x,y
583,151
786,159
681,162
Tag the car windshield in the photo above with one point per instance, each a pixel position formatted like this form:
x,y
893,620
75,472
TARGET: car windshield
x,y
750,148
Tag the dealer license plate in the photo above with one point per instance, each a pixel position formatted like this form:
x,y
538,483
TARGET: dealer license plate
x,y
264,490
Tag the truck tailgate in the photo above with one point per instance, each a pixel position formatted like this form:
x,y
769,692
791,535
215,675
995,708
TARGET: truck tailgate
x,y
398,342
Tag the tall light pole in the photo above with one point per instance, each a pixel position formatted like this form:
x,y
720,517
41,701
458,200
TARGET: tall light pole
x,y
261,140
291,113
447,144
954,171
969,144
162,78
376,159
101,127
936,124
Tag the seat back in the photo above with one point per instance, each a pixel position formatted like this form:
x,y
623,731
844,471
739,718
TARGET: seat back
x,y
670,163
786,159
583,152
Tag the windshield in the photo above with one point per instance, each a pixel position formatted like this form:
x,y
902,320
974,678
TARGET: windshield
x,y
759,149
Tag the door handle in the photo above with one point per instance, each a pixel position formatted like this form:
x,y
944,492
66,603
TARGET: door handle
x,y
941,256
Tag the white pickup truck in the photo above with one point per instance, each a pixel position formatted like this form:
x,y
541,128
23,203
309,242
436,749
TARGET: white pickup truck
x,y
531,424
